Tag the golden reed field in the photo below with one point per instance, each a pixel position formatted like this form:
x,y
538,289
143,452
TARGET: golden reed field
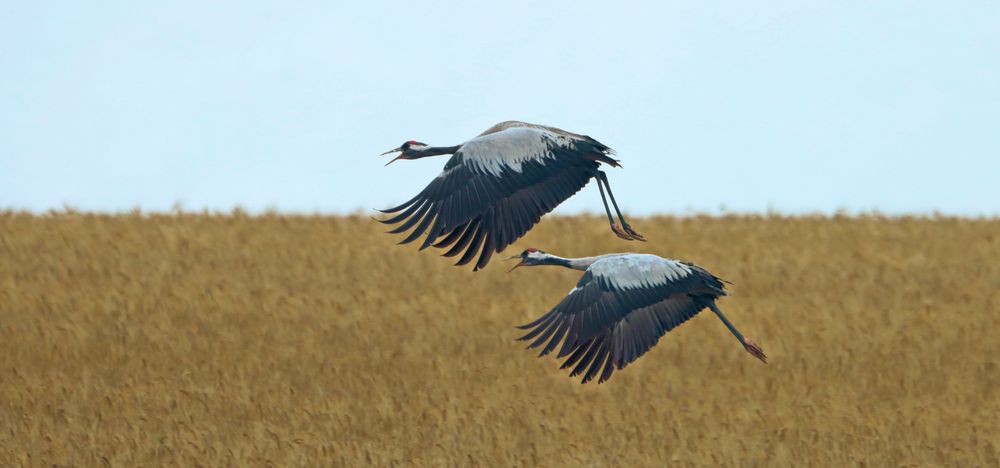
x,y
192,339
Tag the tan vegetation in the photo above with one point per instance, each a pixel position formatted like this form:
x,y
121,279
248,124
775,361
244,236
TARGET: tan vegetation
x,y
214,340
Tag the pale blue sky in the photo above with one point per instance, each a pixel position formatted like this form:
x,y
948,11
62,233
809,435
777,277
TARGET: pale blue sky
x,y
792,106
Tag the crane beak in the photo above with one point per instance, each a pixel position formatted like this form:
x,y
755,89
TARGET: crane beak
x,y
393,159
515,266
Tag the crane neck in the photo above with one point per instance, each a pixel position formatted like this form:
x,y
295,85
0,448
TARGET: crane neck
x,y
581,263
432,151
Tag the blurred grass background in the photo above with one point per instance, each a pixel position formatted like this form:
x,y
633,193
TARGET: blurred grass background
x,y
196,339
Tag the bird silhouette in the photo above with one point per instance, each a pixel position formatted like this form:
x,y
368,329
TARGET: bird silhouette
x,y
498,185
621,307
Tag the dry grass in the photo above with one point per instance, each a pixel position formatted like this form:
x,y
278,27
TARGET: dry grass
x,y
219,340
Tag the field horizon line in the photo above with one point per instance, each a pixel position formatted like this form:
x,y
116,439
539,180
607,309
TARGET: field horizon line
x,y
240,212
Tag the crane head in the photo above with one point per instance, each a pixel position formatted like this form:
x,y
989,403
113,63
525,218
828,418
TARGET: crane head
x,y
407,150
530,257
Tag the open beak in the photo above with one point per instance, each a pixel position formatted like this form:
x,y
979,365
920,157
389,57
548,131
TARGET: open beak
x,y
393,159
521,263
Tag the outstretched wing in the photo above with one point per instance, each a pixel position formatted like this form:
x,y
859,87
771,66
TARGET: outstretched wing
x,y
495,188
620,309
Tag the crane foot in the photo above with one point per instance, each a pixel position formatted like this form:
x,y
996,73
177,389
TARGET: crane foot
x,y
754,349
620,232
626,232
631,232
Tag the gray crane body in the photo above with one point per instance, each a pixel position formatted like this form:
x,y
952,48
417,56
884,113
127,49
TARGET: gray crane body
x,y
622,305
498,185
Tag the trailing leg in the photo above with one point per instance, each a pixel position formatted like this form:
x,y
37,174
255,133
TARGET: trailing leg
x,y
753,348
632,235
614,226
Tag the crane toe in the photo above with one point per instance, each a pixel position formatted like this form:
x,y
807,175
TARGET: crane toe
x,y
631,232
620,232
754,349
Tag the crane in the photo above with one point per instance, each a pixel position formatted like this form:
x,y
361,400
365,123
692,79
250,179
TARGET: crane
x,y
620,308
498,185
